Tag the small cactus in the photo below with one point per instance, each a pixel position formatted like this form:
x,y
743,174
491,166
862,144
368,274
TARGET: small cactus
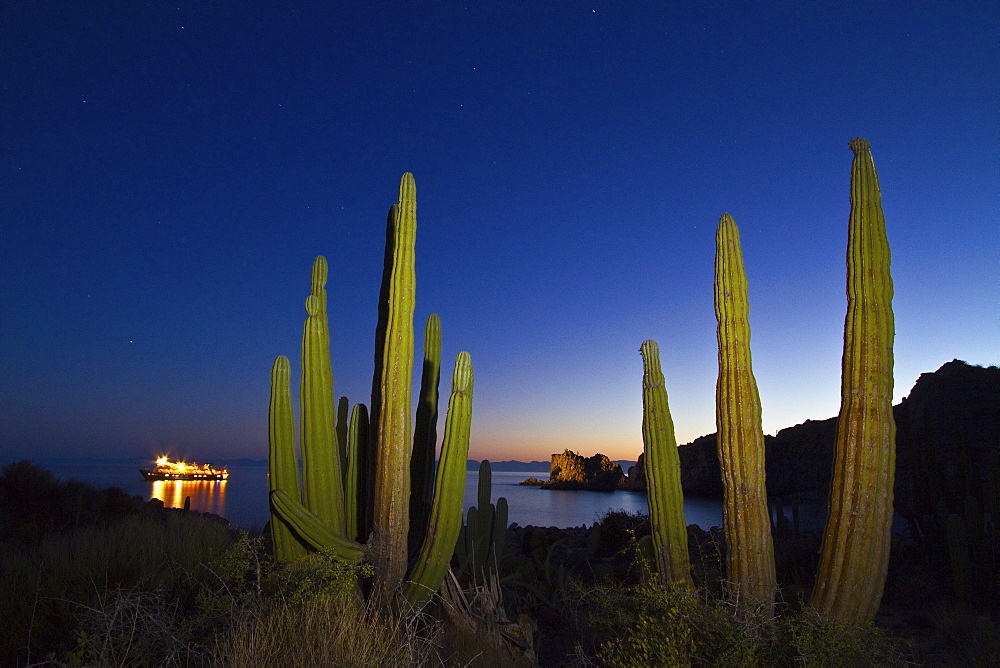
x,y
483,537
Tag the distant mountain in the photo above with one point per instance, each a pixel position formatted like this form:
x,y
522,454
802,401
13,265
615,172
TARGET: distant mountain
x,y
246,461
510,465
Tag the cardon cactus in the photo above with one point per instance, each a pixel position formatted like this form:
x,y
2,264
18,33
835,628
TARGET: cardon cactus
x,y
323,496
390,431
425,432
482,539
357,446
320,518
749,550
283,466
663,474
446,518
856,539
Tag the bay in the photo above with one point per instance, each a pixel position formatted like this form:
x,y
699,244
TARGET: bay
x,y
242,499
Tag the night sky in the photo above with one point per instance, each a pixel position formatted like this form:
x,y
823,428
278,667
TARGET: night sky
x,y
169,171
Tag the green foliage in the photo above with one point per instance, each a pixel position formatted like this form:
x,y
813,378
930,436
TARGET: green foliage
x,y
650,627
819,641
658,625
34,504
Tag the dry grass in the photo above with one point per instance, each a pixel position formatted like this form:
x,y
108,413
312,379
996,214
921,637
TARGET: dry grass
x,y
325,631
46,589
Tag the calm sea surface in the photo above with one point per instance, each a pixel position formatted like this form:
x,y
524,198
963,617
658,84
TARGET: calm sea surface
x,y
243,498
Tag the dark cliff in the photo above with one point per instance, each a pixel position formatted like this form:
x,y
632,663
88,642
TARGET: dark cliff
x,y
950,422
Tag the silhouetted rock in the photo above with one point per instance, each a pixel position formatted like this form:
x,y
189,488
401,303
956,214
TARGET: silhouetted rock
x,y
950,420
636,480
572,471
949,423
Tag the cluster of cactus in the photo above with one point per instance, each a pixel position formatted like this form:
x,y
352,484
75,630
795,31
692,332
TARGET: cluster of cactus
x,y
337,506
481,540
856,539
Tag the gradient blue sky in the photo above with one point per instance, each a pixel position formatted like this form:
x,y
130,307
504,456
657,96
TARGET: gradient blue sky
x,y
168,171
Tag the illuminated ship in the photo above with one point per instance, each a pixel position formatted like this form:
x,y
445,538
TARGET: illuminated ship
x,y
168,470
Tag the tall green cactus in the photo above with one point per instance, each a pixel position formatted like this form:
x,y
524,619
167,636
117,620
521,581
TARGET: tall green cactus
x,y
391,406
321,475
425,433
663,474
283,464
856,540
320,517
749,550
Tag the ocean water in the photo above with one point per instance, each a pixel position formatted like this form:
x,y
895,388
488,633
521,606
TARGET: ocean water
x,y
242,499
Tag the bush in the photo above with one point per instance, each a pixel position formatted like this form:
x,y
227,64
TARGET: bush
x,y
51,590
655,625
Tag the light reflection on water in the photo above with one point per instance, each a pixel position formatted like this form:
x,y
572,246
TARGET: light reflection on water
x,y
242,499
207,496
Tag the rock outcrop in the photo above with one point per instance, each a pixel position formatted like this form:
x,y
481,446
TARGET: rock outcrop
x,y
572,471
636,480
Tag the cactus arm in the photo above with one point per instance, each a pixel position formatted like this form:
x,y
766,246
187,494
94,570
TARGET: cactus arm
x,y
446,511
392,435
663,474
321,477
343,426
487,514
499,530
283,466
312,529
749,550
425,432
855,549
357,445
